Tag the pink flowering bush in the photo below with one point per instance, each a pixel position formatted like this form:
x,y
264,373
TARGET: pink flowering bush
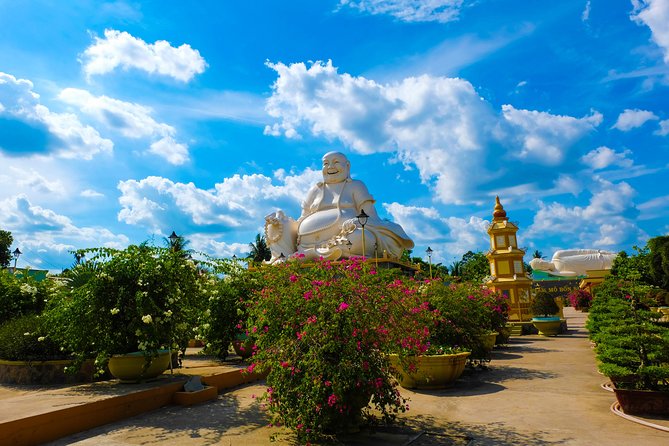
x,y
322,334
580,299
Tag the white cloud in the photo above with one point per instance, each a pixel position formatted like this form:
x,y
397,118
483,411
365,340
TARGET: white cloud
x,y
35,181
120,49
585,16
59,132
131,120
174,152
664,128
230,204
544,138
440,125
657,207
631,119
442,11
655,15
603,157
448,236
90,193
608,219
46,237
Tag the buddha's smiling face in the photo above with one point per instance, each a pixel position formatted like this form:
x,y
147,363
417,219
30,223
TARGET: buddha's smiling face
x,y
336,167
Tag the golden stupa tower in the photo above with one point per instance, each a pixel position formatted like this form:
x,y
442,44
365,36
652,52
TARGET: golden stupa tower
x,y
507,269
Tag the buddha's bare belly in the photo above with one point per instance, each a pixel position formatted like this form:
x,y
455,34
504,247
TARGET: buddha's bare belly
x,y
322,225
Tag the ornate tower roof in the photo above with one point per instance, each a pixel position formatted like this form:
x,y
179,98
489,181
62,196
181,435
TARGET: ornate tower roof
x,y
498,213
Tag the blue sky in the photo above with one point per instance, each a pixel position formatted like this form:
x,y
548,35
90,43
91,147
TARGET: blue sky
x,y
123,121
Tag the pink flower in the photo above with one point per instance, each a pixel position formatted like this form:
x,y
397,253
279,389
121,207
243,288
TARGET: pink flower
x,y
327,383
342,306
285,364
293,278
308,295
250,368
332,400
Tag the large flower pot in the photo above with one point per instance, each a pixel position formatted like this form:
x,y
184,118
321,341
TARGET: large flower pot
x,y
432,372
547,326
243,347
132,367
488,341
640,402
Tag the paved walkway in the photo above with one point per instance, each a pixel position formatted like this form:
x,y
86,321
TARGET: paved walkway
x,y
537,391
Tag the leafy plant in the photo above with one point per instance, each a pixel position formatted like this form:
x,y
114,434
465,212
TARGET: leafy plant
x,y
25,339
322,334
632,348
230,295
143,298
543,304
463,314
23,295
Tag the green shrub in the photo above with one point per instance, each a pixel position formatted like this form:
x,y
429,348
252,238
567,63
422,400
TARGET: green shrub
x,y
464,313
25,339
23,295
543,304
632,348
226,306
142,298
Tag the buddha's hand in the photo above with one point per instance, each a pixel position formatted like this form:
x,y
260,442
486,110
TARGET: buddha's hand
x,y
349,226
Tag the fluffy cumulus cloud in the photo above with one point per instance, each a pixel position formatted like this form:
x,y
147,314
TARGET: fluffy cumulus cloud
x,y
608,220
447,236
131,120
655,15
544,138
119,49
28,127
664,128
440,125
442,11
46,237
152,201
603,157
631,119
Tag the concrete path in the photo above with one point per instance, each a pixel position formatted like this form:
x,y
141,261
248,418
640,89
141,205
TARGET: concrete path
x,y
537,391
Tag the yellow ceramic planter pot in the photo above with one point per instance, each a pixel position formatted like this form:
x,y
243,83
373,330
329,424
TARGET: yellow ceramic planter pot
x,y
432,372
547,326
130,367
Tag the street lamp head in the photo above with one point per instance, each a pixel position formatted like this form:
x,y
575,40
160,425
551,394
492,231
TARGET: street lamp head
x,y
362,217
16,253
173,237
429,251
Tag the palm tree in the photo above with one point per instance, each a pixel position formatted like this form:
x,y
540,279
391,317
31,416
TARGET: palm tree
x,y
259,250
537,255
178,243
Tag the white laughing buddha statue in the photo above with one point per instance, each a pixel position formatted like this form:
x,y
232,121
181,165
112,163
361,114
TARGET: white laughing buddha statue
x,y
329,227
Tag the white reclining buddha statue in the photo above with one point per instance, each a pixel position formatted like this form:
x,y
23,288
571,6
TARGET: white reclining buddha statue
x,y
575,262
329,227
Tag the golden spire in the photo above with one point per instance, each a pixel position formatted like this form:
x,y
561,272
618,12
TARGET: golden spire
x,y
499,213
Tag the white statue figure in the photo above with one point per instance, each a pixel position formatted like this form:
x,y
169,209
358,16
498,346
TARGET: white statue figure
x,y
575,262
328,226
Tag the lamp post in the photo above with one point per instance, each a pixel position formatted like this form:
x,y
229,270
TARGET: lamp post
x,y
173,239
429,259
362,219
376,254
16,253
348,245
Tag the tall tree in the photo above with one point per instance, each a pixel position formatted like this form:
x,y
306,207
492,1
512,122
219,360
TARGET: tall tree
x,y
659,261
474,266
6,241
259,250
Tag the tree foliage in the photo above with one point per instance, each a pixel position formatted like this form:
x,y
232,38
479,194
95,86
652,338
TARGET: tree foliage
x,y
259,250
6,241
474,266
659,261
